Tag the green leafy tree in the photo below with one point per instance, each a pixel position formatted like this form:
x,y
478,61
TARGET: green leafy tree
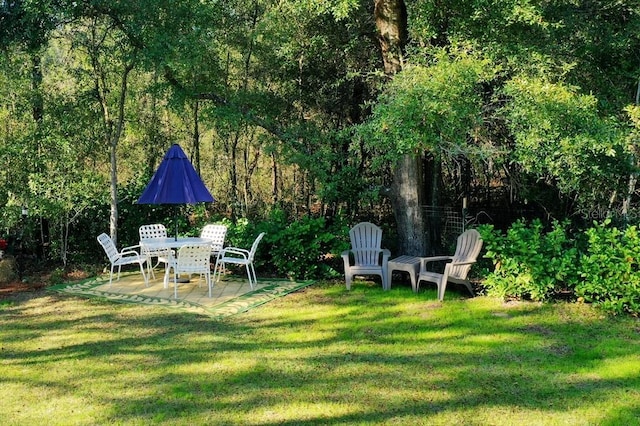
x,y
436,110
561,137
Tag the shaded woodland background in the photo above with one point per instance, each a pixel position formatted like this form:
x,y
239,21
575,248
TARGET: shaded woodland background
x,y
304,117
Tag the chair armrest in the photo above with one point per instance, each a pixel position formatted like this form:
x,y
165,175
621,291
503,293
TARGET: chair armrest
x,y
425,260
130,250
234,250
435,258
386,254
469,262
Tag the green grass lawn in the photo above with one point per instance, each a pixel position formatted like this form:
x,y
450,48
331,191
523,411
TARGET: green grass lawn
x,y
321,356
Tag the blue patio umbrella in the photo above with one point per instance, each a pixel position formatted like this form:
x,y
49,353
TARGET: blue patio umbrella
x,y
175,182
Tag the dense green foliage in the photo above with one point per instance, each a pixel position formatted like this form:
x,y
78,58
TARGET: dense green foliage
x,y
306,248
529,261
610,268
599,265
285,112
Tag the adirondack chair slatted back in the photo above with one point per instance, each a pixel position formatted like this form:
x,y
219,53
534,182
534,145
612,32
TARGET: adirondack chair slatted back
x,y
468,248
366,240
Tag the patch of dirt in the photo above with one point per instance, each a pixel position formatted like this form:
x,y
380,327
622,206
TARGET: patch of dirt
x,y
13,287
37,281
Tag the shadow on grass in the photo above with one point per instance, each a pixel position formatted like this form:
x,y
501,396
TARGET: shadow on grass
x,y
322,356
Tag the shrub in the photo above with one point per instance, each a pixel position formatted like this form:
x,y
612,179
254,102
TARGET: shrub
x,y
302,249
609,269
529,263
57,276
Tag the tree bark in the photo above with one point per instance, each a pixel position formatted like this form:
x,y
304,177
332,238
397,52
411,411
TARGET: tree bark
x,y
196,135
407,201
114,139
407,189
391,23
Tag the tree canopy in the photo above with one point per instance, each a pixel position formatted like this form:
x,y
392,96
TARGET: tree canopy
x,y
315,107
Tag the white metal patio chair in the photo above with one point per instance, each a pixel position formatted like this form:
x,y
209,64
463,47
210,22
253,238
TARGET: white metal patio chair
x,y
127,256
163,255
191,259
468,247
238,256
366,256
216,234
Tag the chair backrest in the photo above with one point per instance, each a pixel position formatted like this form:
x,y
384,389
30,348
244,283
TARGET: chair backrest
x,y
366,242
107,244
254,246
193,258
467,250
151,232
216,234
157,230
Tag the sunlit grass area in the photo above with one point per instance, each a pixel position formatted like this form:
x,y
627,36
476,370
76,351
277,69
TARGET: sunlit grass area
x,y
320,356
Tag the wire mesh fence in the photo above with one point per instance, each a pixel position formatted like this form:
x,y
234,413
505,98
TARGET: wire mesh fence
x,y
451,222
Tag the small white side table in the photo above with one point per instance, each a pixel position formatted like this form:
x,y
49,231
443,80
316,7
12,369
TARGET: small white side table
x,y
410,264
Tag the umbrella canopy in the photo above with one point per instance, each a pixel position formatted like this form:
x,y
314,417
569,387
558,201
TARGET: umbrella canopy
x,y
175,182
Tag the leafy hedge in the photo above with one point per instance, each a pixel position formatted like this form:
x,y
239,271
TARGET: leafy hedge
x,y
302,249
600,265
610,269
529,263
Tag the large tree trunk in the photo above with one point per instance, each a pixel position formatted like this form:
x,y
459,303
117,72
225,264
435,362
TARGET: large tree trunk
x,y
407,188
407,201
391,22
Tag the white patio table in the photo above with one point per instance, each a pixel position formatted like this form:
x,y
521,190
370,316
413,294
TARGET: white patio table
x,y
172,243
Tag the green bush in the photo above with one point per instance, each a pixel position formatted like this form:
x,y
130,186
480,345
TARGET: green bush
x,y
609,269
529,263
303,249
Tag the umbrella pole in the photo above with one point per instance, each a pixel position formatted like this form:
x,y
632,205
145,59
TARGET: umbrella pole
x,y
175,220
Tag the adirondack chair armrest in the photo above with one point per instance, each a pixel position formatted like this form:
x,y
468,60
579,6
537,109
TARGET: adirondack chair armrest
x,y
469,262
345,258
425,260
386,254
346,255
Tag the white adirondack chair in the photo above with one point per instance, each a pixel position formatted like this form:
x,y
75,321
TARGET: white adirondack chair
x,y
366,257
216,234
457,268
127,256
